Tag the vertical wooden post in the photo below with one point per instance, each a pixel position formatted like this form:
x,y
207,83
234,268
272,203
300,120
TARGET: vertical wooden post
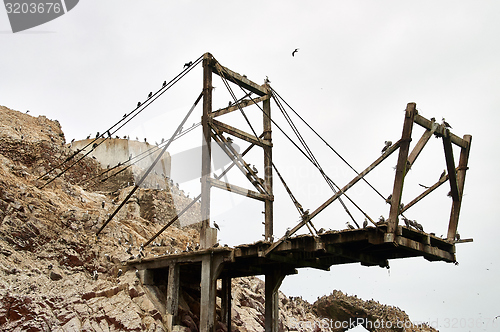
x,y
207,298
273,282
206,236
401,168
268,169
173,285
226,302
455,208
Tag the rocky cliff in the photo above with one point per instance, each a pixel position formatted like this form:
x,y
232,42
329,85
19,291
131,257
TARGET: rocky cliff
x,y
56,275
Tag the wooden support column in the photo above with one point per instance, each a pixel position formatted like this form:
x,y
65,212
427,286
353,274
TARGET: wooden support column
x,y
401,169
268,170
173,294
226,302
455,208
206,234
211,265
273,282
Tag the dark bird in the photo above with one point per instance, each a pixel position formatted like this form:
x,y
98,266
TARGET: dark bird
x,y
138,104
457,236
381,219
321,231
442,175
229,140
350,226
109,134
72,140
27,111
295,51
164,83
216,226
267,80
386,146
365,223
446,124
162,140
103,203
94,145
150,95
119,273
433,119
388,199
97,135
145,140
229,104
197,247
88,137
407,222
421,185
254,169
188,64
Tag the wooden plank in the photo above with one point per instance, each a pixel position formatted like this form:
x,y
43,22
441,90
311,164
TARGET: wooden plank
x,y
450,165
389,151
244,103
401,167
456,205
240,190
423,122
420,145
268,169
239,79
424,249
239,133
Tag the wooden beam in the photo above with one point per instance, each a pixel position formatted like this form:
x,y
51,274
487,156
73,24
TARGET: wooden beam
x,y
238,79
423,122
401,167
450,165
242,104
240,133
389,151
421,144
240,190
456,205
268,168
424,249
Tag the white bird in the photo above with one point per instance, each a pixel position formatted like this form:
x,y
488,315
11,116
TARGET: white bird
x,y
137,274
365,223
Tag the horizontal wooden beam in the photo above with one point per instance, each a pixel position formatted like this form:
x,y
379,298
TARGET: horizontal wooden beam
x,y
424,248
238,79
239,190
242,104
423,122
240,133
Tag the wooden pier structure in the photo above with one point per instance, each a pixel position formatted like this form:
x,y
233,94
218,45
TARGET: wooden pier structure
x,y
372,245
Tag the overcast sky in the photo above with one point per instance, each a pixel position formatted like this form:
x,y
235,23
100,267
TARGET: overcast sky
x,y
359,63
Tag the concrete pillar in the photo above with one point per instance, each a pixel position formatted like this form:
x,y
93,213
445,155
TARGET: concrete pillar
x,y
208,293
226,302
173,286
273,283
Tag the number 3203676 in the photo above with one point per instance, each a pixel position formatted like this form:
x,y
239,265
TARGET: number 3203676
x,y
47,7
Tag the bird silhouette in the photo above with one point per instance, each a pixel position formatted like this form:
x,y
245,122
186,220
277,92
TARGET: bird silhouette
x,y
295,51
216,226
350,226
365,223
188,64
109,134
164,83
138,104
150,95
267,80
421,185
97,135
254,169
442,175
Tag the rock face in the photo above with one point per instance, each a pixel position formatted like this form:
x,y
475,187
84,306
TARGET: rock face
x,y
55,275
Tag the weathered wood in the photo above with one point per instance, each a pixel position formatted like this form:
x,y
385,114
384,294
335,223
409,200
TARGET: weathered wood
x,y
240,190
173,286
268,168
239,79
240,133
433,252
206,154
401,167
226,302
273,281
242,104
420,120
450,165
456,205
420,145
323,206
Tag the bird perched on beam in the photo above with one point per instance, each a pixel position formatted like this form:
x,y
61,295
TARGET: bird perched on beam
x,y
164,83
446,124
386,146
150,95
216,226
267,80
295,51
350,226
138,104
188,64
365,223
254,169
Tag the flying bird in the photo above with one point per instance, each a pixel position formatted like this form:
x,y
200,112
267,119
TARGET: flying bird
x,y
386,146
446,124
295,51
188,64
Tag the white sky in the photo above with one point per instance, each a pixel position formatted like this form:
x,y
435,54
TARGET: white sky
x,y
359,64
